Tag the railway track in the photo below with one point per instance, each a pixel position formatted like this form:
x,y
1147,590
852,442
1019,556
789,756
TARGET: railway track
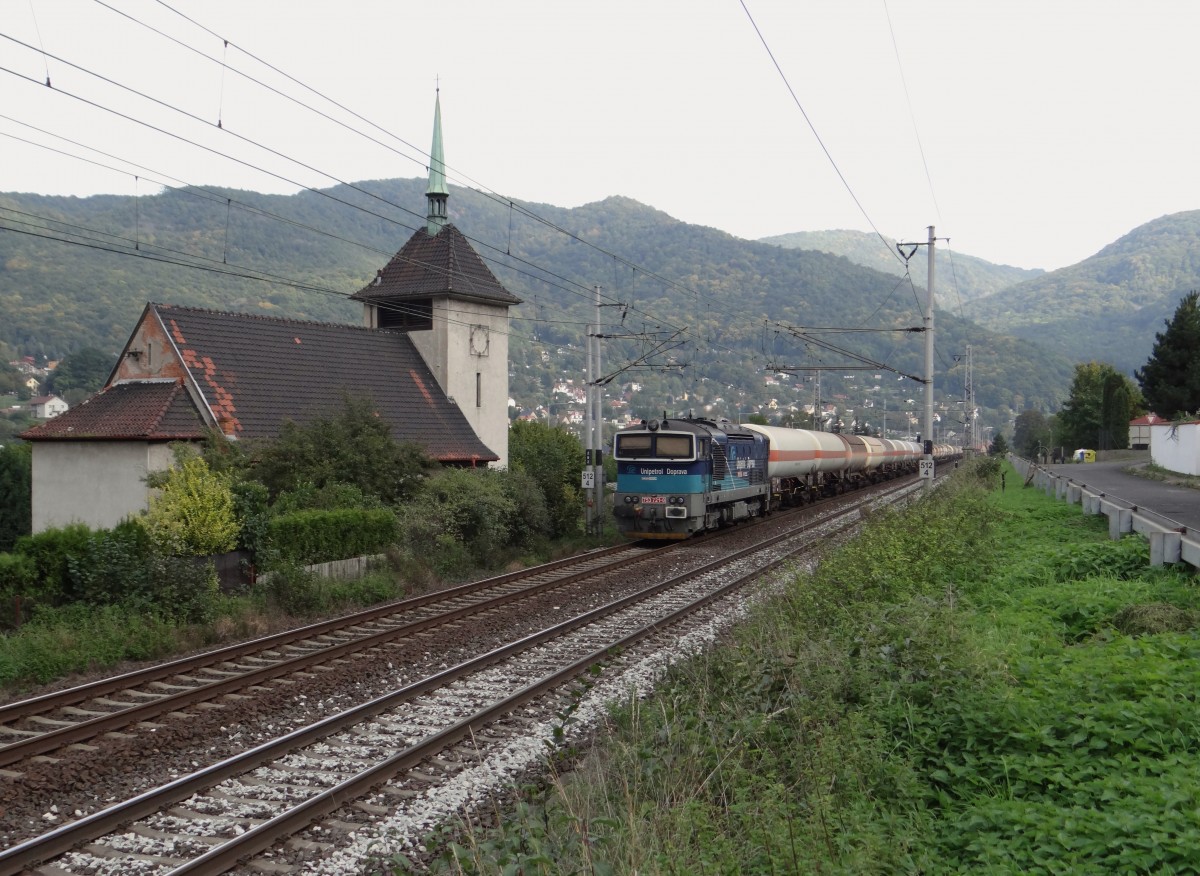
x,y
386,749
39,726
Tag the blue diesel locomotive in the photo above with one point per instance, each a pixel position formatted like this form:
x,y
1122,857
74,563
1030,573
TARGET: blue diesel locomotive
x,y
682,476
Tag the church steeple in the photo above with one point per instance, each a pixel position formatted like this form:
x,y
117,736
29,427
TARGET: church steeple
x,y
437,192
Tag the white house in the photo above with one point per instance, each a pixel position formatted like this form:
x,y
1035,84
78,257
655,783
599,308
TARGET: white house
x,y
46,406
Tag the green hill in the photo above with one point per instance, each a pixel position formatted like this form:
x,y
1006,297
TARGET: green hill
x,y
721,297
1109,306
959,278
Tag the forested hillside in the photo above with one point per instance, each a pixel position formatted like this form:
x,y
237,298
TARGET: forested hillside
x,y
721,298
1109,306
957,277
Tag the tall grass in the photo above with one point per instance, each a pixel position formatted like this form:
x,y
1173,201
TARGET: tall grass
x,y
59,642
980,683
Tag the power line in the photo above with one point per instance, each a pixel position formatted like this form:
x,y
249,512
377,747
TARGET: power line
x,y
736,316
813,128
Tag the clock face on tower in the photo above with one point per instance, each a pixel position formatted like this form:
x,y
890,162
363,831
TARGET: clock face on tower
x,y
480,339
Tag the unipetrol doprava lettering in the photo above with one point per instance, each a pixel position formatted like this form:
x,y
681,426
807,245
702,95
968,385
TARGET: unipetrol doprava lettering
x,y
658,471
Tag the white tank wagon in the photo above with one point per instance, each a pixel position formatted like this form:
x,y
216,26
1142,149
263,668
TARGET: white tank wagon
x,y
900,456
803,465
798,452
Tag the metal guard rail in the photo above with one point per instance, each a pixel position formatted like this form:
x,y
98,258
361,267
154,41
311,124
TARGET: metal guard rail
x,y
1170,541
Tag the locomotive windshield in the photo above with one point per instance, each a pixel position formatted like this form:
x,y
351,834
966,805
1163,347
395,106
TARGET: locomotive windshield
x,y
634,445
673,447
645,445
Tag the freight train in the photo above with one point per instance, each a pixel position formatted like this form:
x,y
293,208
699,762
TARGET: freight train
x,y
678,477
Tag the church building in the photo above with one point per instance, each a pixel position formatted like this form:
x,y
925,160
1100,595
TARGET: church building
x,y
432,356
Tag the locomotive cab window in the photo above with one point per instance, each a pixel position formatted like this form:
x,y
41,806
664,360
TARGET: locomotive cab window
x,y
674,447
643,445
633,446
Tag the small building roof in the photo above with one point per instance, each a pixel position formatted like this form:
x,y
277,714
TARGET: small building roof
x,y
440,264
1150,419
44,399
133,410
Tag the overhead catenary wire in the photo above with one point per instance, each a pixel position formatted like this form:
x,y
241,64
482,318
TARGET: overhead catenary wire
x,y
812,127
668,283
525,211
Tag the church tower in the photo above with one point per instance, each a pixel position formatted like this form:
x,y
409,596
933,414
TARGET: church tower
x,y
439,291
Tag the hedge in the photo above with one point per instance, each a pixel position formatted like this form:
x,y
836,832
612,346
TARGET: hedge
x,y
320,536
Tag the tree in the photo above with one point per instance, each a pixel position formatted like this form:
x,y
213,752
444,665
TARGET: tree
x,y
999,446
355,447
80,374
1170,379
1031,433
193,515
554,458
1101,404
16,491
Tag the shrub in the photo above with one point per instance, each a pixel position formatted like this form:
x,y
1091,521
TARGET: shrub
x,y
531,521
50,551
112,565
17,576
250,507
319,536
553,458
292,589
472,508
309,497
194,514
355,446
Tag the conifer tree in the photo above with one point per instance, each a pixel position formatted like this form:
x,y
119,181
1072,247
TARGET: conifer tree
x,y
1170,379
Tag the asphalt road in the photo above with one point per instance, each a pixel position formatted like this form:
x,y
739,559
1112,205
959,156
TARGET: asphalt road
x,y
1181,504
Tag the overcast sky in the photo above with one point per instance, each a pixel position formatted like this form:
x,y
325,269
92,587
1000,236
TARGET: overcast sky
x,y
1049,128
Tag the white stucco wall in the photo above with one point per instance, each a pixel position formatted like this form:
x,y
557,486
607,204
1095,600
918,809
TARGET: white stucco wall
x,y
470,338
1176,447
98,483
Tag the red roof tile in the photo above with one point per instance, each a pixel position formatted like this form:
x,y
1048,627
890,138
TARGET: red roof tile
x,y
141,410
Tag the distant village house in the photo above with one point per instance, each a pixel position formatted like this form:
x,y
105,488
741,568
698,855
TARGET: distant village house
x,y
46,406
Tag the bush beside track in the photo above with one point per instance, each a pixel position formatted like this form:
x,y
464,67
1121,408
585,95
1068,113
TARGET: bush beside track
x,y
981,682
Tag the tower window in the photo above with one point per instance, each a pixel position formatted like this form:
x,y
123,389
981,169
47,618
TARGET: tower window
x,y
478,390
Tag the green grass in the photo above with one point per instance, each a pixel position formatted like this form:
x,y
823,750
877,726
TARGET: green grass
x,y
59,642
984,683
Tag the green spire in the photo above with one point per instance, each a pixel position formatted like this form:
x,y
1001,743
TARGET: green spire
x,y
437,192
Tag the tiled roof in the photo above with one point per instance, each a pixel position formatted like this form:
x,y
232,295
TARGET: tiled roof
x,y
439,264
256,372
138,410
